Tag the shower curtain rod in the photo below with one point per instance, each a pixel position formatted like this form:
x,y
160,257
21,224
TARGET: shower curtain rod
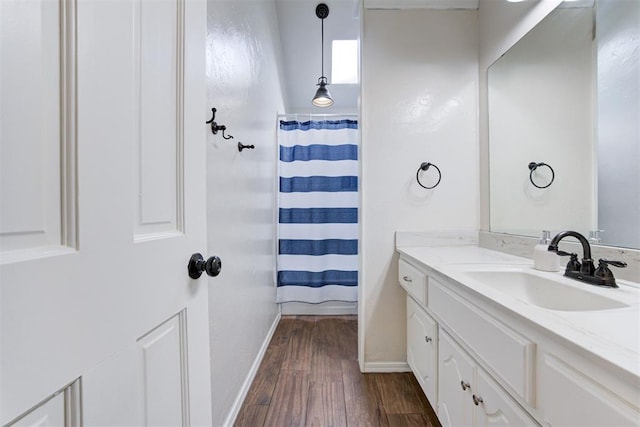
x,y
316,115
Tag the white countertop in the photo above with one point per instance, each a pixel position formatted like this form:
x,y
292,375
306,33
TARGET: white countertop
x,y
612,335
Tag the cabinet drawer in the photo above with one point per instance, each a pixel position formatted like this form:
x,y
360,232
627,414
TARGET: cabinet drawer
x,y
413,281
507,353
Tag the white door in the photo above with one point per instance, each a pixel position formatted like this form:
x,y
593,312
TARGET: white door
x,y
102,204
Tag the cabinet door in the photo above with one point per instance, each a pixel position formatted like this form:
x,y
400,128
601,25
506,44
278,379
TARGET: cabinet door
x,y
493,405
422,349
569,397
455,385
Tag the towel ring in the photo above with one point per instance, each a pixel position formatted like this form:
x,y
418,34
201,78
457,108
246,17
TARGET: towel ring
x,y
424,167
533,166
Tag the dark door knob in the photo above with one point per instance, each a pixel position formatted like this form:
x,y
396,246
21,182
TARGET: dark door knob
x,y
198,265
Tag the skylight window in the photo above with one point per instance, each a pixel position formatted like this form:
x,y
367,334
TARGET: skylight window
x,y
344,62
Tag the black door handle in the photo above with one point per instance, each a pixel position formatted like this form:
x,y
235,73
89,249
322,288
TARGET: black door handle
x,y
197,265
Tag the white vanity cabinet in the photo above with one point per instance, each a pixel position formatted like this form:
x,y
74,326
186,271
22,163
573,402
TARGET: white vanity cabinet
x,y
469,396
481,362
422,348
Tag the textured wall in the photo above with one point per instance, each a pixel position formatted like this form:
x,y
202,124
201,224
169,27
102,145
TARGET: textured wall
x,y
243,83
419,103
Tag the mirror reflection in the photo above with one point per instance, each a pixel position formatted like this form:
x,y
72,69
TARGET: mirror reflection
x,y
564,126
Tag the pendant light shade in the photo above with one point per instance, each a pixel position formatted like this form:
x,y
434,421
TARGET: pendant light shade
x,y
322,97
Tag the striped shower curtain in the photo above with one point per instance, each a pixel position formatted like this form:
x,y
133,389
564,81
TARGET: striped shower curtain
x,y
317,211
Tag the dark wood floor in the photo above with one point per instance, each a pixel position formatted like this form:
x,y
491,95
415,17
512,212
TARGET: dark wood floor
x,y
310,377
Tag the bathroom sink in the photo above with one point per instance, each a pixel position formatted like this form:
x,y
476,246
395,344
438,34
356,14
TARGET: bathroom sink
x,y
544,292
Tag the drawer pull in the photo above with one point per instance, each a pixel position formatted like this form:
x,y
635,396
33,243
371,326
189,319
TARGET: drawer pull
x,y
407,279
464,385
428,339
477,400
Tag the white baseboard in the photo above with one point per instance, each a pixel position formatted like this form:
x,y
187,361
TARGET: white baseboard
x,y
242,394
371,367
330,308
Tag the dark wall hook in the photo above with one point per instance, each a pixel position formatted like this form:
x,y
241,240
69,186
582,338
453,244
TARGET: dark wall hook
x,y
533,166
424,166
242,146
215,127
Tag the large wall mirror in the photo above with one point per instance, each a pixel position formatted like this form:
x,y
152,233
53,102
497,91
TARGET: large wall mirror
x,y
564,126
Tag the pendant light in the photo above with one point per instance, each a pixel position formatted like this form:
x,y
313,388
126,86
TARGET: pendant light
x,y
322,97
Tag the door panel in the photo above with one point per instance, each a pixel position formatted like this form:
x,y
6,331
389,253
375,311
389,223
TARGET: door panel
x,y
163,374
62,409
79,313
33,44
158,62
50,414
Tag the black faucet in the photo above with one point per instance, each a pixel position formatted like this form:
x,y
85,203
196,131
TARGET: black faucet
x,y
585,271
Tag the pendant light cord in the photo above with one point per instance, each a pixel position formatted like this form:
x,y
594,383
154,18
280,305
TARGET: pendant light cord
x,y
322,46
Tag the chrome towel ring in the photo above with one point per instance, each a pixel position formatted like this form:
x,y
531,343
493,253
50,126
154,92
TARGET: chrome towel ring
x,y
533,166
424,167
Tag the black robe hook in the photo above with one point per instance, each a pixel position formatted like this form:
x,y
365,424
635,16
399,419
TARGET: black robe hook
x,y
242,146
215,127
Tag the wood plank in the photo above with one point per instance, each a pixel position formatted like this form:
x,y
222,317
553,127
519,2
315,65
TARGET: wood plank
x,y
264,383
398,394
408,420
323,367
326,361
289,403
428,410
299,349
340,337
361,396
350,338
326,406
251,415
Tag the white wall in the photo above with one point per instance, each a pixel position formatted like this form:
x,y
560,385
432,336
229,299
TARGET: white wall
x,y
243,83
419,103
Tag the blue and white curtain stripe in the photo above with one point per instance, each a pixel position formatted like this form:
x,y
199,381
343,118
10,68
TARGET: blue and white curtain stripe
x,y
317,211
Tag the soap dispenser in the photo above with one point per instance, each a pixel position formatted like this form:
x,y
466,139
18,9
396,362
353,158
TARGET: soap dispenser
x,y
543,259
